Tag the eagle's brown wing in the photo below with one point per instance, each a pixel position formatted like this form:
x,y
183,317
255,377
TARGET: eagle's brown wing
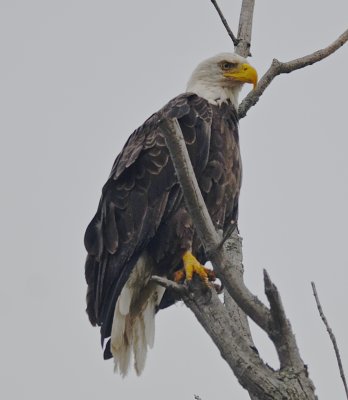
x,y
135,199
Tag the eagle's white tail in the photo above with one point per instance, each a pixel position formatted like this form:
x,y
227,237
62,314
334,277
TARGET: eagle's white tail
x,y
133,326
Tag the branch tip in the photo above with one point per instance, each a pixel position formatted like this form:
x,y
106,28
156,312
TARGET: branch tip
x,y
332,337
225,23
269,286
169,284
212,314
276,305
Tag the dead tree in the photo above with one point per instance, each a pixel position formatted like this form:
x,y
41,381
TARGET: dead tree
x,y
226,322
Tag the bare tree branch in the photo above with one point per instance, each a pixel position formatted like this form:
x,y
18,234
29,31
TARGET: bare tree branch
x,y
332,337
243,42
278,68
252,373
242,47
249,303
205,228
168,284
245,28
233,248
234,253
283,338
183,167
225,23
219,320
214,317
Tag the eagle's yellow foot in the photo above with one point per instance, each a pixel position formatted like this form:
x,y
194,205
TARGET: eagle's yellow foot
x,y
192,265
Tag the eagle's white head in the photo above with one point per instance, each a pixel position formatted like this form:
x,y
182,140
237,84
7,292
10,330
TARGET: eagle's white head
x,y
221,78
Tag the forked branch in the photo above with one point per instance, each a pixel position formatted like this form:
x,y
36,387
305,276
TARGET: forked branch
x,y
252,373
291,381
242,47
278,68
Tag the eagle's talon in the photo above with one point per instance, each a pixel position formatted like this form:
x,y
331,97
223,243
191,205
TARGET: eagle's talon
x,y
193,266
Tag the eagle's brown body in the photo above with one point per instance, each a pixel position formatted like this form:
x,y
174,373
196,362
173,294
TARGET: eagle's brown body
x,y
142,209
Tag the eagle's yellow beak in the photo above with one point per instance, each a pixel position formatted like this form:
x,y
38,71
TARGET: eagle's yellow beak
x,y
243,73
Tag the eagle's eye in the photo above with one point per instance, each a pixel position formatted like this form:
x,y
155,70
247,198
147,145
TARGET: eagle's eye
x,y
228,65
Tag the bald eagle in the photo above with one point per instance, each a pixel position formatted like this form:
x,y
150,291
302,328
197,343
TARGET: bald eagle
x,y
142,227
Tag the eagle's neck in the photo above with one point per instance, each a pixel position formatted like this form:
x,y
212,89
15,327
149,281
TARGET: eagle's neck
x,y
215,94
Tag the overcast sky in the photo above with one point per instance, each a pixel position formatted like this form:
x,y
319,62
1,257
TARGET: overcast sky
x,y
76,78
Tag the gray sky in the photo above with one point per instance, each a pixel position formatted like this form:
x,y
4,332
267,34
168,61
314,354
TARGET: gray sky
x,y
76,78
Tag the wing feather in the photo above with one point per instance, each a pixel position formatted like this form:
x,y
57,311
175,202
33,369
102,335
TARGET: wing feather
x,y
141,192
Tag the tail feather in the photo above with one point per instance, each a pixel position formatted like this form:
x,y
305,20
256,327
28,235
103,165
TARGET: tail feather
x,y
139,345
119,337
134,333
149,324
133,325
122,362
125,300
